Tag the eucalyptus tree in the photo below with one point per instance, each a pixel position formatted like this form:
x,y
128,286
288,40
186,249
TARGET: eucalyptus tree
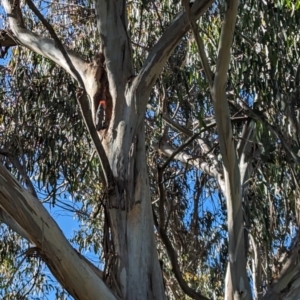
x,y
192,112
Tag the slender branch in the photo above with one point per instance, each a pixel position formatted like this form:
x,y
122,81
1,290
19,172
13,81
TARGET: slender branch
x,y
179,149
43,46
106,175
188,159
176,126
185,158
200,45
57,41
207,125
174,262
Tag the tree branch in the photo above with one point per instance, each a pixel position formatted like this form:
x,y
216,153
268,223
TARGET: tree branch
x,y
106,175
189,133
200,45
79,280
185,158
163,49
57,41
179,149
43,46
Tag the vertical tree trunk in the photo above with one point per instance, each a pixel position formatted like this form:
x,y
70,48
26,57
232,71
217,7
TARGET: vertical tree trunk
x,y
138,270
